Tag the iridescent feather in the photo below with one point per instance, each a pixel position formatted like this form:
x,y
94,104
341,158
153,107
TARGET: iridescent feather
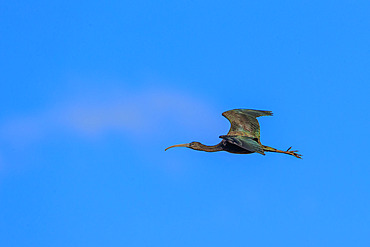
x,y
245,129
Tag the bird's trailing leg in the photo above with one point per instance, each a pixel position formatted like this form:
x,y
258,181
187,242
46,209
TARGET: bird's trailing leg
x,y
290,152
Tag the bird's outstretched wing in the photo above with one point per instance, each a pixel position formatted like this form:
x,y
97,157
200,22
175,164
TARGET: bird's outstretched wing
x,y
244,122
245,142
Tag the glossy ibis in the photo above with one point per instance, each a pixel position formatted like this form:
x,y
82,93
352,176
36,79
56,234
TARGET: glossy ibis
x,y
243,136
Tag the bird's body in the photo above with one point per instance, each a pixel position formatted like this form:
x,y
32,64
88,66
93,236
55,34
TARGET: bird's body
x,y
243,136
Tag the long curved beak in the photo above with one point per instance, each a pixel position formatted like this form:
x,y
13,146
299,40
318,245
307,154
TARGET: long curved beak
x,y
178,145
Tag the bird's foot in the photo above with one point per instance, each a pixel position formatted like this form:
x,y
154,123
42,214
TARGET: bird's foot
x,y
294,153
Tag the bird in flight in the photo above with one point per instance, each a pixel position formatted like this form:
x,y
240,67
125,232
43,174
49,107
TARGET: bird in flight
x,y
243,136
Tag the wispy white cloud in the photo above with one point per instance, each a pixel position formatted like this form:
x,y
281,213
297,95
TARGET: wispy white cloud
x,y
121,111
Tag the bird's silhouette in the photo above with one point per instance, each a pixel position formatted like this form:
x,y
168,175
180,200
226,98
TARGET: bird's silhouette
x,y
243,136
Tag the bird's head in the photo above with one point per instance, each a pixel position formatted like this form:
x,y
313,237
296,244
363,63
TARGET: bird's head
x,y
192,145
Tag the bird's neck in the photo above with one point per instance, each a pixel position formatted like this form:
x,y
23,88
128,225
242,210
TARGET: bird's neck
x,y
206,148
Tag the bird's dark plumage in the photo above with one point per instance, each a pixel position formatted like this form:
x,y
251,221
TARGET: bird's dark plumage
x,y
245,142
243,136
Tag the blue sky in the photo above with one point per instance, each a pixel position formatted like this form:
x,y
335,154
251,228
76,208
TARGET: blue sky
x,y
92,92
